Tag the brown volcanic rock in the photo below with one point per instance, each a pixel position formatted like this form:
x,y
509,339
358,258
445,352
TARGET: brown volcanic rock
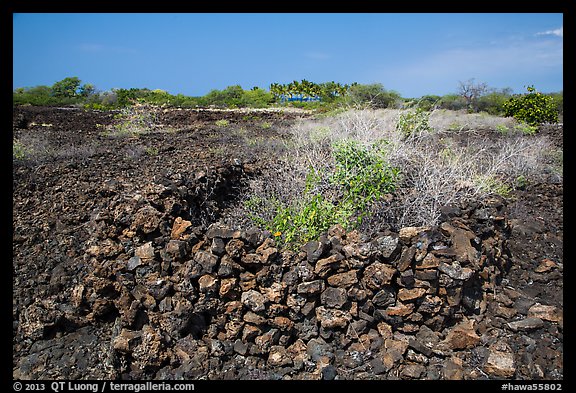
x,y
462,336
377,274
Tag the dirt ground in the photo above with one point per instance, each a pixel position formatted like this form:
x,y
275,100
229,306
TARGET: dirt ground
x,y
77,178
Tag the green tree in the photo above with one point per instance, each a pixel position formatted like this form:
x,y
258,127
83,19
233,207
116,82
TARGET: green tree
x,y
257,98
330,91
66,88
493,103
373,95
125,97
276,89
452,102
87,90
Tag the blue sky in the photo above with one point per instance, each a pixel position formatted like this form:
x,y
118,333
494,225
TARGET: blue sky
x,y
413,54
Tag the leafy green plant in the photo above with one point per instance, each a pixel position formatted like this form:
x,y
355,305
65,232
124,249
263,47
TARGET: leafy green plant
x,y
151,151
448,154
427,102
532,108
526,128
521,182
19,151
413,122
304,221
452,102
68,91
492,184
502,129
363,171
342,195
558,99
96,106
222,123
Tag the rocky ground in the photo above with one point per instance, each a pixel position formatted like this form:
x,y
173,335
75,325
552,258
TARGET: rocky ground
x,y
121,270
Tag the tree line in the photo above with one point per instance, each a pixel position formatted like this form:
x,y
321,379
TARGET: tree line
x,y
469,95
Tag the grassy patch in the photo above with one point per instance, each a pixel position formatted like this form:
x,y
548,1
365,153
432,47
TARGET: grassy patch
x,y
19,151
502,129
132,121
526,128
493,185
151,151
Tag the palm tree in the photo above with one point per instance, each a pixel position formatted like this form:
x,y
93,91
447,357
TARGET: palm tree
x,y
276,89
305,89
294,88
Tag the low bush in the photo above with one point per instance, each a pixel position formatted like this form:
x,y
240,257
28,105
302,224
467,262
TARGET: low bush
x,y
19,151
339,193
533,108
413,122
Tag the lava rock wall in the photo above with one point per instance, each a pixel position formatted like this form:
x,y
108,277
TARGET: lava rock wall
x,y
223,303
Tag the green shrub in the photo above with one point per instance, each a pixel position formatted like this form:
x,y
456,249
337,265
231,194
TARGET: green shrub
x,y
532,108
428,102
493,103
363,172
19,151
230,97
68,91
521,182
452,102
526,128
494,185
126,97
502,129
96,106
257,98
373,95
413,122
67,87
558,99
360,176
306,220
41,96
151,151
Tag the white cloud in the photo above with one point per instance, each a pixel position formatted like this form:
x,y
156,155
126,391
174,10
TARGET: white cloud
x,y
557,32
